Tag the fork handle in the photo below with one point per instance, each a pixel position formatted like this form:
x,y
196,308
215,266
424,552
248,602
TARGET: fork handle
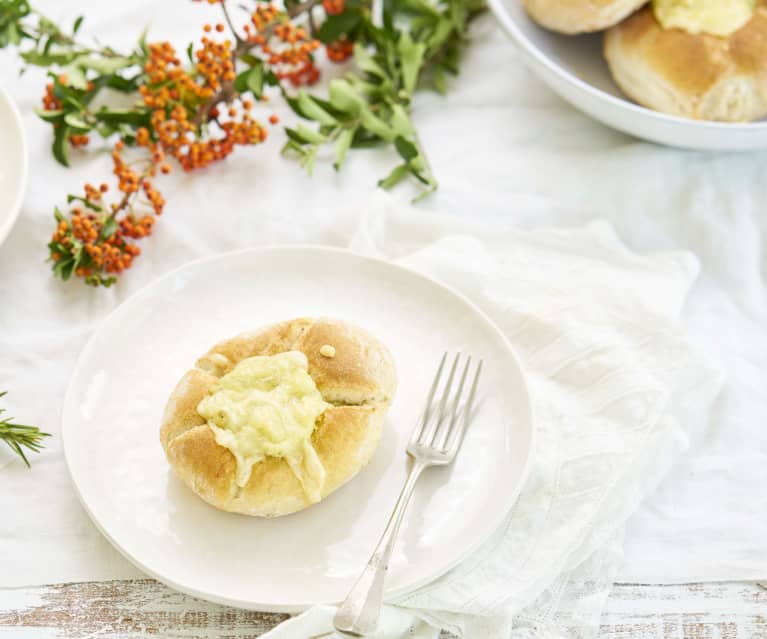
x,y
358,614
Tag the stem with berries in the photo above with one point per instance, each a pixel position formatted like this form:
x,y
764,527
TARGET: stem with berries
x,y
197,112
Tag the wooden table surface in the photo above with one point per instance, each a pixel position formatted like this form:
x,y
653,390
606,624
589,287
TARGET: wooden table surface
x,y
139,609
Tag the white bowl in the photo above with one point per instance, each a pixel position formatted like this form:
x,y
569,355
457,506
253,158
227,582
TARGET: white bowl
x,y
575,68
13,163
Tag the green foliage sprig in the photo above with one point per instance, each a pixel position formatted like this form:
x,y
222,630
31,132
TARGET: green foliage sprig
x,y
19,436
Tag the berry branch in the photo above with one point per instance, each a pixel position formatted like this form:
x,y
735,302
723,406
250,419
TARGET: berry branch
x,y
198,111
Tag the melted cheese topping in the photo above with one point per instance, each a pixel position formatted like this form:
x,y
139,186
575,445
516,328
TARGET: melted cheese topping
x,y
268,406
716,17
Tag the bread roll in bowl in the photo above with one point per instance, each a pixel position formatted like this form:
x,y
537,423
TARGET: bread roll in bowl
x,y
352,370
580,16
696,76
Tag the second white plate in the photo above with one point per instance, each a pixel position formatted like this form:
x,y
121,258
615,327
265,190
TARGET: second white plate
x,y
125,374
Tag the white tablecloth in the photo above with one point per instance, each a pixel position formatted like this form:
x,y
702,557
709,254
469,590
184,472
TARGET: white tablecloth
x,y
507,153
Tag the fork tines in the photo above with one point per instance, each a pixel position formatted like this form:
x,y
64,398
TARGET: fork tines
x,y
444,419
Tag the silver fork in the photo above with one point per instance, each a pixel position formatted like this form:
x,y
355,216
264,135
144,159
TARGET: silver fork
x,y
435,442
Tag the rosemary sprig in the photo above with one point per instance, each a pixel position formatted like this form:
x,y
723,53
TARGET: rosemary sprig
x,y
20,436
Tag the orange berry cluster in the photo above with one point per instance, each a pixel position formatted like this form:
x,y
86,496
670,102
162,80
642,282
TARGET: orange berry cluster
x,y
214,60
339,50
94,232
110,255
136,228
130,182
79,140
168,83
289,51
50,101
177,97
333,7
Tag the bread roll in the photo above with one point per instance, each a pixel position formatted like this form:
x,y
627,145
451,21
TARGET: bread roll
x,y
356,377
580,16
695,76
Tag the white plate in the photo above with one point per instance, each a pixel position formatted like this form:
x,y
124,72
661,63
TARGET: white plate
x,y
575,68
13,163
116,397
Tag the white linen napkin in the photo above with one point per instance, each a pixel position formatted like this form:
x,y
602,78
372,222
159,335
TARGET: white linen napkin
x,y
617,392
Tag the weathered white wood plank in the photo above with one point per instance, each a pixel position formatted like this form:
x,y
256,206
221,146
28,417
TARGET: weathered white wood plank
x,y
689,611
140,609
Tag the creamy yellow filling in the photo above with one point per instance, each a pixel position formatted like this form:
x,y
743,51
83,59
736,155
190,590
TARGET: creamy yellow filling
x,y
267,407
716,17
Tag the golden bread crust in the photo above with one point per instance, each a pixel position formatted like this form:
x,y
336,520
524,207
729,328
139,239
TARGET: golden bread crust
x,y
697,76
360,379
580,16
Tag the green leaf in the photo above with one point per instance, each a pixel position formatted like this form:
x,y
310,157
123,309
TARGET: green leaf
x,y
109,228
309,158
432,186
142,45
251,80
423,7
60,92
344,98
256,81
78,23
304,135
123,116
105,130
75,75
271,79
395,177
60,144
87,203
73,103
388,14
366,62
405,148
400,121
419,176
343,143
190,53
250,59
376,125
312,110
79,255
76,123
46,59
310,135
411,58
102,65
294,143
64,267
124,85
49,116
335,26
10,35
440,82
441,33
